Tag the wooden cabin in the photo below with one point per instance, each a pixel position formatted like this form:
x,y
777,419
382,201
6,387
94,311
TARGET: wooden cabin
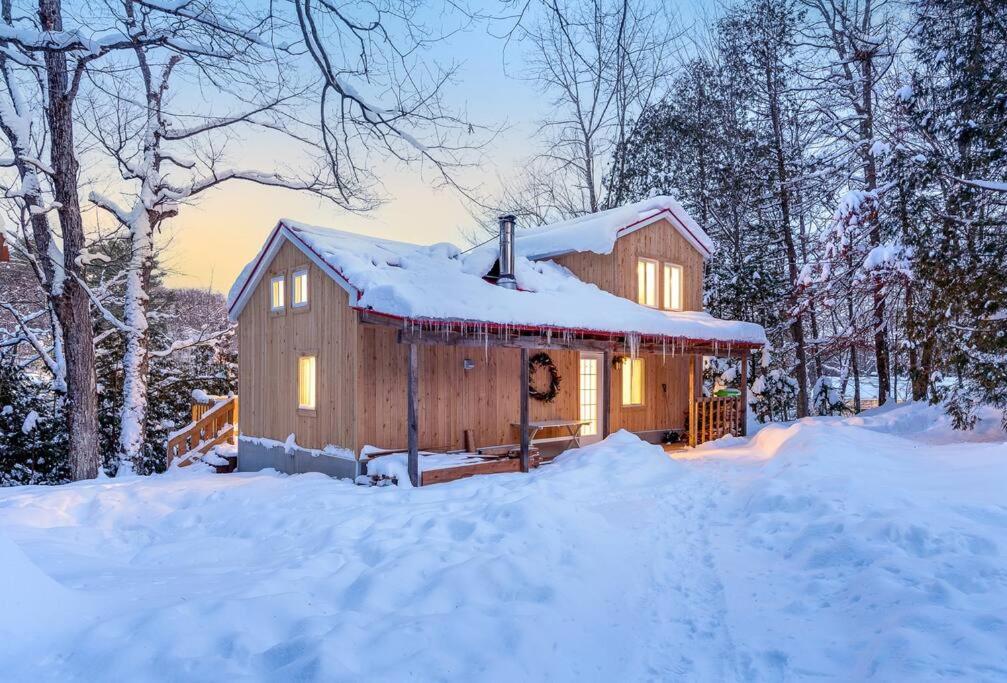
x,y
352,347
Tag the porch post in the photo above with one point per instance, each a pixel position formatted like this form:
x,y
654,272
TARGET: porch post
x,y
606,394
744,392
692,400
523,391
412,399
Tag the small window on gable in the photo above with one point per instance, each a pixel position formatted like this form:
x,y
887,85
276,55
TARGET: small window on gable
x,y
306,382
276,293
300,287
673,287
632,381
646,282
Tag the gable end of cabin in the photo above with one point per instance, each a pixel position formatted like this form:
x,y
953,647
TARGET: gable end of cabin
x,y
297,341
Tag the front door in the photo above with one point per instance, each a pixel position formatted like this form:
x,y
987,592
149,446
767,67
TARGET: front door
x,y
589,392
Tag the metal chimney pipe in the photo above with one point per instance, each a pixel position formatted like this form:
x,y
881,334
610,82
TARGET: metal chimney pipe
x,y
506,278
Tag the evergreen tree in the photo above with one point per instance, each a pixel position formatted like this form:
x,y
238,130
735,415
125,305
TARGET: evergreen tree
x,y
954,180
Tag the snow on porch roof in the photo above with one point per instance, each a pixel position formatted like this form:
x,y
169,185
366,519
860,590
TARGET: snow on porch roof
x,y
598,232
438,283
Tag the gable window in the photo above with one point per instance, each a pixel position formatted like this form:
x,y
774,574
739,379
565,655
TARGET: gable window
x,y
673,287
276,293
306,382
632,381
646,282
300,287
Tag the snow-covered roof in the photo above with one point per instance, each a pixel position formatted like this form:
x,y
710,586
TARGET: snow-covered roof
x,y
439,283
598,232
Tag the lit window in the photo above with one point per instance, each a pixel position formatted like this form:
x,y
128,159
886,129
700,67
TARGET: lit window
x,y
632,382
300,285
276,301
672,287
589,396
306,382
646,282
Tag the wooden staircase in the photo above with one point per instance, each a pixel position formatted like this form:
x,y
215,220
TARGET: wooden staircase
x,y
214,422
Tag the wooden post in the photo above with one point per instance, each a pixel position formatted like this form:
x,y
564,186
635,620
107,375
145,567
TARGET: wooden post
x,y
606,394
523,391
692,401
744,393
412,399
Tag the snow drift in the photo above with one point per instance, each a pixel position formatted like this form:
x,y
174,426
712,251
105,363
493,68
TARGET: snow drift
x,y
870,547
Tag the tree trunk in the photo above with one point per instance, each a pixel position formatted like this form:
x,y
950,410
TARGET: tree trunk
x,y
73,307
882,359
797,323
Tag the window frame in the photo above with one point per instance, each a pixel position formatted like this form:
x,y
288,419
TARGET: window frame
x,y
644,261
628,364
301,408
304,306
665,291
280,277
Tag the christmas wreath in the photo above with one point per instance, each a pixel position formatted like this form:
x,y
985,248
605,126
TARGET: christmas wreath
x,y
542,360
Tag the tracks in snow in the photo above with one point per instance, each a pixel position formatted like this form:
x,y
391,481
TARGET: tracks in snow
x,y
689,637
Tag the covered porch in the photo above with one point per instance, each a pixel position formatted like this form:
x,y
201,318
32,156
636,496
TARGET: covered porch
x,y
704,417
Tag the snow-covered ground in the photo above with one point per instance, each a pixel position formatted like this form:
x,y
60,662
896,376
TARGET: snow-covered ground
x,y
836,549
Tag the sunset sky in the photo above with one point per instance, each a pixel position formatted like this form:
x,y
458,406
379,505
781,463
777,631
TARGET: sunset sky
x,y
210,242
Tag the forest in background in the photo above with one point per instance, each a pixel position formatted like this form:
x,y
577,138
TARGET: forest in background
x,y
847,156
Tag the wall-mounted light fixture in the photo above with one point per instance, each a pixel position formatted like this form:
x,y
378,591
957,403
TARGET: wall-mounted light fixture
x,y
468,364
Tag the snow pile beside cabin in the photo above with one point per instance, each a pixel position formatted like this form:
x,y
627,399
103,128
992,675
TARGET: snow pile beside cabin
x,y
437,283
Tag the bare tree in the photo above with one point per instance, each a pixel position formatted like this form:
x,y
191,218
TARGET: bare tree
x,y
601,63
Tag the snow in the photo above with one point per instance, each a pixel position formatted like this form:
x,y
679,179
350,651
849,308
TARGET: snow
x,y
396,465
200,396
290,443
30,420
438,283
598,232
834,549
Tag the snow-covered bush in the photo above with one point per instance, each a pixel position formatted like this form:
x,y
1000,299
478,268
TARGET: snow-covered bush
x,y
722,373
827,399
774,396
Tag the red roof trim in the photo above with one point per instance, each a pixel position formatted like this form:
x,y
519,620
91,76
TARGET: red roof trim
x,y
672,214
323,259
554,328
255,268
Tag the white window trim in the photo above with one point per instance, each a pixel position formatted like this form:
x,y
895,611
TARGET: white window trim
x,y
282,278
293,288
657,282
681,286
314,382
627,365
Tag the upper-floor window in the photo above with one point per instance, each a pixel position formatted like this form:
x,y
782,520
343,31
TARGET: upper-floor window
x,y
300,287
276,294
632,381
673,287
306,382
646,282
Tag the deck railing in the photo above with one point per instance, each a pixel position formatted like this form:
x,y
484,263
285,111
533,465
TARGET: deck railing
x,y
214,422
714,417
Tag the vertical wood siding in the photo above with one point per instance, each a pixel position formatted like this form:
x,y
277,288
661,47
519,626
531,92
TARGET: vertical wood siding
x,y
362,369
616,272
269,346
484,399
